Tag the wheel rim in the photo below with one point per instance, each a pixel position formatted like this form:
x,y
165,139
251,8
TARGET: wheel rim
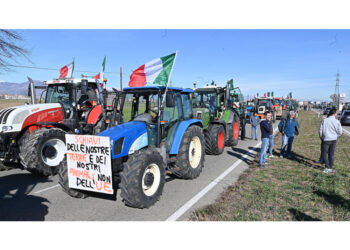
x,y
53,152
151,179
221,140
195,152
235,130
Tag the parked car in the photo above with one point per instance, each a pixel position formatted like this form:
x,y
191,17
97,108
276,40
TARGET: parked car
x,y
326,111
345,118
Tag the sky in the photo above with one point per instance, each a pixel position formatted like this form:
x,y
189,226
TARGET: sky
x,y
304,62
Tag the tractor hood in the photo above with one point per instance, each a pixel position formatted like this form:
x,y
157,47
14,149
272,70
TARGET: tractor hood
x,y
127,138
14,119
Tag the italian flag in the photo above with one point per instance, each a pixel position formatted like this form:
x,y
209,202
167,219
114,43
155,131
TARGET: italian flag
x,y
99,76
156,71
67,71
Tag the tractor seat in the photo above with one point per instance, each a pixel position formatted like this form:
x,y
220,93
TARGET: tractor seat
x,y
145,117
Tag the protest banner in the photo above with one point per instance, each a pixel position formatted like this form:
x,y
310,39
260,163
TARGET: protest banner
x,y
89,163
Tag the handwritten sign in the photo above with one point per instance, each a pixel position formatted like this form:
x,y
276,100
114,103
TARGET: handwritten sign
x,y
89,163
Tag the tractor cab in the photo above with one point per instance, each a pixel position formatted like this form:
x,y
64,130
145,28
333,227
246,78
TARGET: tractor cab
x,y
160,118
208,102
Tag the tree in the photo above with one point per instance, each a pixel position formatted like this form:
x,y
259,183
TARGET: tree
x,y
10,48
334,98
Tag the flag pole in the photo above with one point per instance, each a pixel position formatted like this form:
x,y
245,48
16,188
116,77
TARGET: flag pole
x,y
166,89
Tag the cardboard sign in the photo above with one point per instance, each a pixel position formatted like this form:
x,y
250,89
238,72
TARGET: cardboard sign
x,y
89,163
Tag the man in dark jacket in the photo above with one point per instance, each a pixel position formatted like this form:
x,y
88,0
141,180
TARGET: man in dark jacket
x,y
265,128
288,127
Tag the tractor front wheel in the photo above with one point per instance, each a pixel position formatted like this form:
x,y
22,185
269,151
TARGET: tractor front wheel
x,y
63,181
43,150
233,132
215,139
142,178
190,158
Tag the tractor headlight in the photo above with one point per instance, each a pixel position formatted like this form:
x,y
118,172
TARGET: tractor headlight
x,y
6,128
139,143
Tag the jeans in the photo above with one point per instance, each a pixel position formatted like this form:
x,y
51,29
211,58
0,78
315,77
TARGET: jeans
x,y
328,149
271,143
264,145
287,140
254,132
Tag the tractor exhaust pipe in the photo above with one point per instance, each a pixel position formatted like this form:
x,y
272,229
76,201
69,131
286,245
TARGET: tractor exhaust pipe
x,y
31,90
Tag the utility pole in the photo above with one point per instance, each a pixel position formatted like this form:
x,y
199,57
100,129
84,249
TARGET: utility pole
x,y
337,90
121,79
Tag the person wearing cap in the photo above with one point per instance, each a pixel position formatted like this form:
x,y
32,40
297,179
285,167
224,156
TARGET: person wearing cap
x,y
265,128
288,128
329,131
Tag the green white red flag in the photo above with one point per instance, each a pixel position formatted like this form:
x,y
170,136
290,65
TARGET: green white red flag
x,y
156,72
99,76
67,70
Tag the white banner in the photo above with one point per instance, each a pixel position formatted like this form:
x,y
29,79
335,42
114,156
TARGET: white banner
x,y
89,163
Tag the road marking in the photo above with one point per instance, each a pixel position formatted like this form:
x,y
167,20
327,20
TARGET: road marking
x,y
210,186
45,189
346,131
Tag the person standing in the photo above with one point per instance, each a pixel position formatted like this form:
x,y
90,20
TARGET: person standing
x,y
329,132
271,141
288,127
243,122
254,122
265,129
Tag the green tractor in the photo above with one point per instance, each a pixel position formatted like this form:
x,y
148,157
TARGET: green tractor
x,y
221,122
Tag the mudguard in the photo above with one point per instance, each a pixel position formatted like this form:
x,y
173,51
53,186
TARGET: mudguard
x,y
133,131
181,129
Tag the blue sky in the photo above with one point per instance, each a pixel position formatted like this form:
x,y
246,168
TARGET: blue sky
x,y
302,61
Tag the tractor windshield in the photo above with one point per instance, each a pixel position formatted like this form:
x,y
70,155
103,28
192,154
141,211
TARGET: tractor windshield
x,y
265,103
205,100
136,104
59,93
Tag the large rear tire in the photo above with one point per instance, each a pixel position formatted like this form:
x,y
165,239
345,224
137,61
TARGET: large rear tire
x,y
215,139
190,158
142,178
63,181
43,150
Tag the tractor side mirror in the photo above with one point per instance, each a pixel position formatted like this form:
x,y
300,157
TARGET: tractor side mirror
x,y
170,99
84,87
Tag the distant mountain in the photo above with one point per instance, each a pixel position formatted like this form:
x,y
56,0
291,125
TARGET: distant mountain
x,y
12,88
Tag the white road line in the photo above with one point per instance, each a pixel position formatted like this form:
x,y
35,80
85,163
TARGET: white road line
x,y
45,189
211,185
346,131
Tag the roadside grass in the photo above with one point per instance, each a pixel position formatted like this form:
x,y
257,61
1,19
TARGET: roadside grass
x,y
9,103
289,189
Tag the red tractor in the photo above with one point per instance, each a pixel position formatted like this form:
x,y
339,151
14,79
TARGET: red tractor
x,y
34,135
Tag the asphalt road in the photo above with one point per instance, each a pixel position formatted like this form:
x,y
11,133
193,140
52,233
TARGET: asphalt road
x,y
24,196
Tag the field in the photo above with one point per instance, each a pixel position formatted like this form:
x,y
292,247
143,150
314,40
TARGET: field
x,y
10,103
289,189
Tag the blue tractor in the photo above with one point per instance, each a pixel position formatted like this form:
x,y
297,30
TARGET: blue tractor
x,y
154,138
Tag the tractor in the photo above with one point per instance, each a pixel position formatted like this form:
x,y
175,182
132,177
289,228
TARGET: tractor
x,y
34,135
265,104
157,136
218,110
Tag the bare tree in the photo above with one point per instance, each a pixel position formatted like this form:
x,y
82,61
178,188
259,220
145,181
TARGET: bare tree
x,y
10,48
334,98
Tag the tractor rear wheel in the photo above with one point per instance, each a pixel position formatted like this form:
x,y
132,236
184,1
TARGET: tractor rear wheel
x,y
190,158
43,150
142,178
215,139
63,181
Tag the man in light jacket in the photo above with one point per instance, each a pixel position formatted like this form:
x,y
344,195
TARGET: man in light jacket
x,y
329,131
254,121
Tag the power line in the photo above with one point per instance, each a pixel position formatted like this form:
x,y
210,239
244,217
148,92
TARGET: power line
x,y
52,69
